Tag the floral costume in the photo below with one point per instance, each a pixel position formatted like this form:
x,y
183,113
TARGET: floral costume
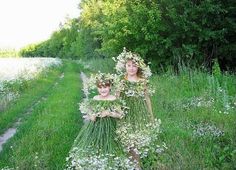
x,y
96,146
138,130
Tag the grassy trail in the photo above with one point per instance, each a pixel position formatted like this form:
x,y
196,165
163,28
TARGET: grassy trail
x,y
36,90
194,110
45,138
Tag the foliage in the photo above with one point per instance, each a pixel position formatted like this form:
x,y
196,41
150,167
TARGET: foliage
x,y
8,52
47,110
164,32
197,114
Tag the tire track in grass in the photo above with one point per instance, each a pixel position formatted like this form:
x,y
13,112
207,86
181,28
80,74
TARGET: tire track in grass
x,y
10,132
44,140
37,90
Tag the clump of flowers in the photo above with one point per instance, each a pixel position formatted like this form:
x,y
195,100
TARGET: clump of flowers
x,y
137,89
8,168
225,101
25,68
205,129
16,72
88,108
99,78
128,55
141,140
87,159
199,102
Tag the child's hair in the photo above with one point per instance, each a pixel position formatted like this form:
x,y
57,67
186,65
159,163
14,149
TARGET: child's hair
x,y
102,84
139,73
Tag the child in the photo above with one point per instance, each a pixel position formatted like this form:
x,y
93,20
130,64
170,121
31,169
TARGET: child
x,y
96,146
139,129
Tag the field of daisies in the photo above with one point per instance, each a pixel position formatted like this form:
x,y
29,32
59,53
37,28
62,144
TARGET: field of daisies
x,y
39,99
15,72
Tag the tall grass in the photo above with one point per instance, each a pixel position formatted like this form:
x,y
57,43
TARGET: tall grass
x,y
104,65
44,139
197,110
29,92
195,107
198,116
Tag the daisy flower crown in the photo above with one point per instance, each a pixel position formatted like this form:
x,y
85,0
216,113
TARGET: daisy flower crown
x,y
128,55
96,80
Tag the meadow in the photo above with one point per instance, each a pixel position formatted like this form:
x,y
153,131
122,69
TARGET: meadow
x,y
197,110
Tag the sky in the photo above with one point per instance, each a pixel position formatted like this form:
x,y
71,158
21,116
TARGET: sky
x,y
29,21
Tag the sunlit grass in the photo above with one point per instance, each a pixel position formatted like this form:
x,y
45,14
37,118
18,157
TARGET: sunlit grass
x,y
197,110
29,92
193,111
194,106
43,141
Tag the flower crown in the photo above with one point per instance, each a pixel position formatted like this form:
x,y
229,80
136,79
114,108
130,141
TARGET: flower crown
x,y
128,55
99,79
103,79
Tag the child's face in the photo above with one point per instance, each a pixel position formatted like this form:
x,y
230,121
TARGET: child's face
x,y
131,68
104,91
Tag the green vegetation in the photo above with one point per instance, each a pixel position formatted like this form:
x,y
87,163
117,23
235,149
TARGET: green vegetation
x,y
8,52
29,93
189,44
197,110
45,137
164,32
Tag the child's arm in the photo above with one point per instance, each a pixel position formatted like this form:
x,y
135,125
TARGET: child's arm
x,y
90,117
148,102
116,115
111,114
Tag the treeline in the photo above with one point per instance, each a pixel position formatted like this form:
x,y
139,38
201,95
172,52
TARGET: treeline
x,y
163,31
8,52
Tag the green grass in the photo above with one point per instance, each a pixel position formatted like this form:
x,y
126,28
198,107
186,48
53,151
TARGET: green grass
x,y
30,93
105,65
45,138
173,91
186,151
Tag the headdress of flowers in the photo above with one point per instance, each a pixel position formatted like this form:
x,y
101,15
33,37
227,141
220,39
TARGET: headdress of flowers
x,y
99,78
128,55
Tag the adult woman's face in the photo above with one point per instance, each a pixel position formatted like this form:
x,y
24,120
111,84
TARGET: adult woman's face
x,y
104,91
131,68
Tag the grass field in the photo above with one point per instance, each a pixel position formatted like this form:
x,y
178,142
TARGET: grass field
x,y
197,110
44,138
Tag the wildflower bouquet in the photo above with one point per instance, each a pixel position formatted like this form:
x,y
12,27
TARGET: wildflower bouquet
x,y
136,89
95,108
